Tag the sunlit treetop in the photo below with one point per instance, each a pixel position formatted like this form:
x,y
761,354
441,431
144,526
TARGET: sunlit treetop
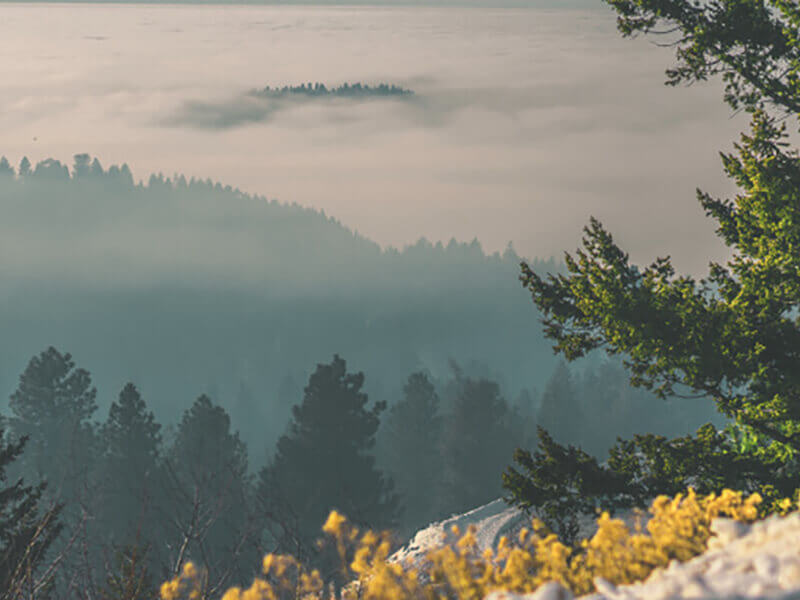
x,y
735,334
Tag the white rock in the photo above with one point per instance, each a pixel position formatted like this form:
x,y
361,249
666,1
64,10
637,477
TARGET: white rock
x,y
549,591
766,565
725,531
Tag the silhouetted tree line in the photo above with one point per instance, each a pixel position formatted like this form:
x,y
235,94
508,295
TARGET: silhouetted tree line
x,y
346,90
122,503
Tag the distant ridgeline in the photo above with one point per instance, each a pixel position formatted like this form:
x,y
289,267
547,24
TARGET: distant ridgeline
x,y
199,277
346,90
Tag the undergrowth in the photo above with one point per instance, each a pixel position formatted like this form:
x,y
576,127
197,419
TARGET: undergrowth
x,y
679,528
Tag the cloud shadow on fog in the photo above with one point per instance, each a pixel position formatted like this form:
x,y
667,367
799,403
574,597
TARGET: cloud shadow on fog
x,y
236,112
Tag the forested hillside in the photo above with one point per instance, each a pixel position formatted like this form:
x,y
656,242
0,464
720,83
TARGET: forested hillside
x,y
187,287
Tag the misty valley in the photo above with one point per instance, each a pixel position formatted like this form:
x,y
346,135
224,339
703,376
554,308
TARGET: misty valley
x,y
399,300
188,374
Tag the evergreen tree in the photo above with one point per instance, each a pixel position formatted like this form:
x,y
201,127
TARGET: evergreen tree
x,y
96,169
52,406
324,461
410,442
732,336
211,521
130,476
24,167
81,166
6,170
478,441
51,170
27,528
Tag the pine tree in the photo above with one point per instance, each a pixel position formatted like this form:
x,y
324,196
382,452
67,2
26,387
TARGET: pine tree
x,y
129,474
210,501
478,441
6,170
410,443
24,167
81,166
324,461
52,406
28,527
732,335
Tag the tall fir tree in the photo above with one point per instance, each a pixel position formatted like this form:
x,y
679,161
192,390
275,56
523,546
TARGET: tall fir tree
x,y
130,477
28,527
52,406
478,441
325,461
6,170
24,167
410,443
210,514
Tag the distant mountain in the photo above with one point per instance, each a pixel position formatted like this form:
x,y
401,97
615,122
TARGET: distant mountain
x,y
188,286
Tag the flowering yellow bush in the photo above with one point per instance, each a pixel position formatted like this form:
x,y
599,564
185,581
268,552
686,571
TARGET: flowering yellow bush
x,y
679,529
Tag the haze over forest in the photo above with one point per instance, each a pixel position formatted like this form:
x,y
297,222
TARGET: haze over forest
x,y
215,216
524,122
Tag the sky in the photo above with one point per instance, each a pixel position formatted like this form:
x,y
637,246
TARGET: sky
x,y
524,122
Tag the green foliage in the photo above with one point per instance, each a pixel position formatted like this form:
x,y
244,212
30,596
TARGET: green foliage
x,y
28,528
562,483
734,335
410,447
753,44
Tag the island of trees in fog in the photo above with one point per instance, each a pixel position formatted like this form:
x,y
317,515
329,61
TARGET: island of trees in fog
x,y
346,90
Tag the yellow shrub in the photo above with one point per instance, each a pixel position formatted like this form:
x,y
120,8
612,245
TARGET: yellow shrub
x,y
679,529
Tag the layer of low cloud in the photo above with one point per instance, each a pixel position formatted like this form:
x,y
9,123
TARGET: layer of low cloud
x,y
524,122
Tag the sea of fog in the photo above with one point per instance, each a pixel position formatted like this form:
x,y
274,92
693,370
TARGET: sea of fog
x,y
523,123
